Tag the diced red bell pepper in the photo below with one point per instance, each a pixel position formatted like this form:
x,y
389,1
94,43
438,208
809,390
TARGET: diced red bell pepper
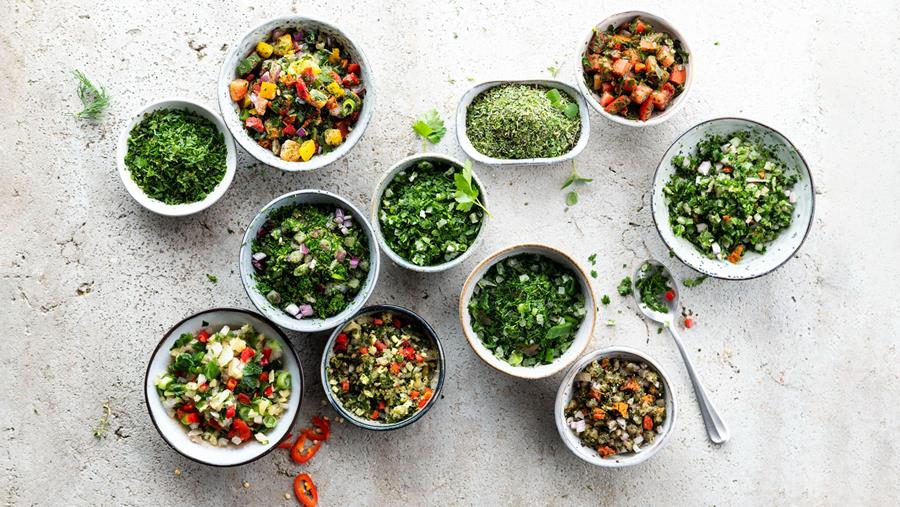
x,y
229,412
190,418
243,398
425,397
397,323
243,431
267,392
678,75
379,346
264,376
648,423
670,295
254,123
350,80
203,336
646,110
378,322
231,384
688,322
375,415
246,354
345,385
380,405
188,407
353,68
289,130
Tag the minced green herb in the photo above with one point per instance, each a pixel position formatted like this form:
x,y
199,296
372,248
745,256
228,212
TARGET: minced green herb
x,y
693,282
653,284
730,195
310,260
516,121
605,299
527,309
176,156
421,218
625,286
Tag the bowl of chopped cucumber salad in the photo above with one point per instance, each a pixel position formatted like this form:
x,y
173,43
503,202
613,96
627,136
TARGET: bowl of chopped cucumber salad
x,y
223,387
733,199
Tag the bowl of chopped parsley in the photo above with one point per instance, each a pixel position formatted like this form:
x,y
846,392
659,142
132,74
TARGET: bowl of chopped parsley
x,y
527,122
733,198
309,260
176,157
383,368
528,310
297,93
429,212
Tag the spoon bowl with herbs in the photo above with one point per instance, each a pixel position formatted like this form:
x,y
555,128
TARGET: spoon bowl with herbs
x,y
656,294
429,212
176,157
528,310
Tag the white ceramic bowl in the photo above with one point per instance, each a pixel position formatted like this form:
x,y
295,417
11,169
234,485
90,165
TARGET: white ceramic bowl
x,y
753,264
582,337
437,382
659,24
570,438
246,46
475,91
176,210
376,205
173,432
310,325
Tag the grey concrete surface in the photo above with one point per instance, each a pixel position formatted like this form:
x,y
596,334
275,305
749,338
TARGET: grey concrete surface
x,y
802,362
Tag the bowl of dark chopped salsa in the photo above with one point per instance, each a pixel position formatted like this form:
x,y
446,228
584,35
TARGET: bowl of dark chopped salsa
x,y
528,310
176,157
428,212
309,260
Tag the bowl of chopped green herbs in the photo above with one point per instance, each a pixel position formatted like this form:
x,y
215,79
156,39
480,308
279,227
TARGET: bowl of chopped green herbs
x,y
175,157
733,198
309,260
528,310
528,122
429,212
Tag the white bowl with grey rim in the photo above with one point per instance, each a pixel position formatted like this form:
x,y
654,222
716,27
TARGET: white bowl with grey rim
x,y
658,24
376,206
246,45
278,315
753,264
475,91
160,207
571,439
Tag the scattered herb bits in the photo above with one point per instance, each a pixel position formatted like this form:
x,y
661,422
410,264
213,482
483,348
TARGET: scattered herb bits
x,y
518,121
176,156
624,287
427,215
527,309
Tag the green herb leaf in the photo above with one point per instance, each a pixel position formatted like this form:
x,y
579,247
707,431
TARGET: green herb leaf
x,y
693,282
554,96
559,331
467,195
592,258
212,278
625,286
593,273
572,198
605,299
430,126
570,110
575,178
553,70
93,99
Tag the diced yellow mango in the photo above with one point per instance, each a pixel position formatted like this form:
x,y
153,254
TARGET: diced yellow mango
x,y
307,149
307,63
284,45
335,56
291,151
267,90
333,137
264,49
246,101
335,89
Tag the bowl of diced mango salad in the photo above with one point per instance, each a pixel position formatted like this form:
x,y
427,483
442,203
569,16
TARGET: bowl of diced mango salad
x,y
296,93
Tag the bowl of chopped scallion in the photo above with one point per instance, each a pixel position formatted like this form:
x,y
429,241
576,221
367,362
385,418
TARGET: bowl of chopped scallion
x,y
733,198
176,157
528,122
429,212
528,310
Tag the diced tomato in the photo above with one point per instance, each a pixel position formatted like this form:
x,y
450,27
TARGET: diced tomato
x,y
350,80
202,388
413,394
380,405
397,323
353,68
190,418
289,130
229,412
420,358
305,490
378,322
607,87
621,66
342,338
374,415
678,75
735,256
188,407
662,97
593,393
629,83
243,431
606,451
606,98
246,354
395,368
243,398
670,295
364,351
640,27
425,397
648,423
618,105
345,385
302,90
688,322
231,384
203,336
640,93
646,110
267,392
264,376
254,123
379,346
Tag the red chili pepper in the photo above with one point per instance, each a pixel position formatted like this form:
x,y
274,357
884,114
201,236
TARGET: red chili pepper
x,y
229,412
301,454
243,398
264,376
305,490
378,322
648,423
353,68
688,322
322,428
243,431
397,323
267,392
374,415
203,336
188,407
286,442
670,295
231,384
246,354
345,385
254,123
191,418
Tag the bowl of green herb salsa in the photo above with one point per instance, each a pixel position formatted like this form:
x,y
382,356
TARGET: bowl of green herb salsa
x,y
309,260
429,212
528,310
176,157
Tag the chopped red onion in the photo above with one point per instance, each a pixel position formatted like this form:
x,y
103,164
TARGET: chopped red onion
x,y
340,255
354,262
304,249
348,223
345,231
298,35
276,71
292,309
301,132
266,78
305,310
258,256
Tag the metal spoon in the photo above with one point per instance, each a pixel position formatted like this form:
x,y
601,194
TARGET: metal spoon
x,y
715,426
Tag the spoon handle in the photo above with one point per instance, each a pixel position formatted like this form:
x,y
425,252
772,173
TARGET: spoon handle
x,y
715,426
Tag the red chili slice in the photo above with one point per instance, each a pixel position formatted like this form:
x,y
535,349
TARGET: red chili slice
x,y
301,454
305,490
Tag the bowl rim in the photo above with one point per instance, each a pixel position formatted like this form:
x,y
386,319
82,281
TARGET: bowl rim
x,y
426,327
226,75
487,356
812,203
382,185
166,336
374,260
177,103
568,381
472,93
677,102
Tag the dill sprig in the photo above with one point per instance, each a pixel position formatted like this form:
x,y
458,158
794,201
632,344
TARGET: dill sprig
x,y
93,99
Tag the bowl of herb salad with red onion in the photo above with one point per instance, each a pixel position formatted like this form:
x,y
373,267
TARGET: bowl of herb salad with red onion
x,y
429,212
528,310
309,260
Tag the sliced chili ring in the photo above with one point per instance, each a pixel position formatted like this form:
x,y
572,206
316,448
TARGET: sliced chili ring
x,y
305,490
301,454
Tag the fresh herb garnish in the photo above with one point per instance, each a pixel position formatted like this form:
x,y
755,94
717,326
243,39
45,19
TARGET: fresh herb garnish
x,y
625,286
570,109
212,278
592,258
593,273
176,156
93,98
527,309
653,284
571,198
430,126
574,179
605,299
553,70
466,193
421,218
693,282
103,424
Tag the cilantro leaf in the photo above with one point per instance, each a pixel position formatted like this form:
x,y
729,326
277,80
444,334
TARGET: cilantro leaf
x,y
466,195
625,286
430,126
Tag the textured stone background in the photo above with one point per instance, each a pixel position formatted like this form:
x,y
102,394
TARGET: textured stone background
x,y
802,362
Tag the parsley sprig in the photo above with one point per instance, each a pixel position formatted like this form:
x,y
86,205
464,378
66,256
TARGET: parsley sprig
x,y
430,127
466,194
93,98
